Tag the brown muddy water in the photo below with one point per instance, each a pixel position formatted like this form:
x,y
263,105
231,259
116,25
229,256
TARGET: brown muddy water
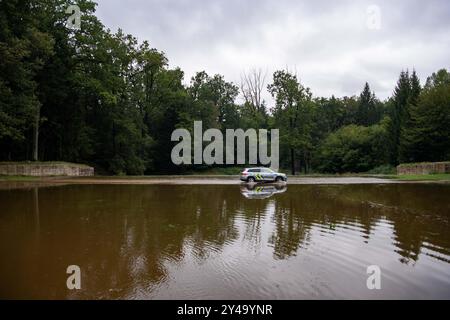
x,y
226,241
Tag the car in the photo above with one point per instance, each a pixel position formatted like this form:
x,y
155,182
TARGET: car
x,y
262,174
257,191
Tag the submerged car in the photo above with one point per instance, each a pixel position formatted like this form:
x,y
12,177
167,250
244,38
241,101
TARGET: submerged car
x,y
262,174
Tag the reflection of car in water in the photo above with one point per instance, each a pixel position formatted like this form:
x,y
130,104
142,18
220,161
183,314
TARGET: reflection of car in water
x,y
262,175
258,191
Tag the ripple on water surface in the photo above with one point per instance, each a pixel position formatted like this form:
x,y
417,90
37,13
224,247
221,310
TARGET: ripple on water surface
x,y
226,242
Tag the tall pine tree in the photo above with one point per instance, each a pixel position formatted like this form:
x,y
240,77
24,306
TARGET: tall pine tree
x,y
367,110
409,125
399,103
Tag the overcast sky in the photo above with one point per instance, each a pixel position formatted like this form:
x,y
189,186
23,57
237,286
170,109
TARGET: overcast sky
x,y
334,46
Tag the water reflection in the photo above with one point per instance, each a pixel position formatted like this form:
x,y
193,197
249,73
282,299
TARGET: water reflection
x,y
261,191
135,241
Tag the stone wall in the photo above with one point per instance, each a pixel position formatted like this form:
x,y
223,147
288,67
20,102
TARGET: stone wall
x,y
42,169
423,168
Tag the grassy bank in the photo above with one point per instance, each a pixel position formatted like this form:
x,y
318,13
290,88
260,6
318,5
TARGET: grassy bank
x,y
423,177
19,178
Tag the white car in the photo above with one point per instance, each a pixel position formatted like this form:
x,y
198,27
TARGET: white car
x,y
262,174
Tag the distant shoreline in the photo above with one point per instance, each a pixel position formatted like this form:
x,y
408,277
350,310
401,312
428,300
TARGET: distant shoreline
x,y
8,183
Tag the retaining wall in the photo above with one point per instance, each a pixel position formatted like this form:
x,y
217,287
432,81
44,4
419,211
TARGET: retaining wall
x,y
423,168
41,170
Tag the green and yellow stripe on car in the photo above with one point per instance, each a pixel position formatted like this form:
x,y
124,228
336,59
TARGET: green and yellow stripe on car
x,y
258,176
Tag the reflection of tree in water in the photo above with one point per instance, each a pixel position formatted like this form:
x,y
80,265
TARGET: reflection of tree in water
x,y
122,236
154,224
419,214
305,206
290,232
253,213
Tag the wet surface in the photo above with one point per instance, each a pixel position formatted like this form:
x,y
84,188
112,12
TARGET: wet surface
x,y
226,241
189,180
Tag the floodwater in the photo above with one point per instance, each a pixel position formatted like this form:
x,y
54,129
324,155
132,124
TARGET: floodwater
x,y
226,241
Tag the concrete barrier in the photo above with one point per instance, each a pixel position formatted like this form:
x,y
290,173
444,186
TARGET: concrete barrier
x,y
423,168
44,169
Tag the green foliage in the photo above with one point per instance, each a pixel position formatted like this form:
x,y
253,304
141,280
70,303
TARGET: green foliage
x,y
353,149
403,107
368,109
426,135
100,97
215,96
383,169
24,49
293,111
406,148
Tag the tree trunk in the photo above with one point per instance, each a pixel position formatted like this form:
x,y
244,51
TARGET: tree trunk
x,y
305,159
36,135
292,162
114,137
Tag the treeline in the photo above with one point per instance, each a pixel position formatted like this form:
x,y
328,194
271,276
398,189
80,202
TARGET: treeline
x,y
103,98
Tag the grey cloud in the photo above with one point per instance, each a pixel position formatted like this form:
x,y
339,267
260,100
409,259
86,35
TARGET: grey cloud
x,y
327,42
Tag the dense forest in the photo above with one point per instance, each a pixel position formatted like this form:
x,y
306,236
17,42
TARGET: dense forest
x,y
93,96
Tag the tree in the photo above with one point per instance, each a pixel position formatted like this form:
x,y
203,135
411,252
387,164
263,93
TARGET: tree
x,y
292,113
427,137
367,109
100,97
24,49
406,148
252,86
219,94
253,112
397,114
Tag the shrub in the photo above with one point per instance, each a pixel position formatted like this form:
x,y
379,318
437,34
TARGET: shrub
x,y
354,149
